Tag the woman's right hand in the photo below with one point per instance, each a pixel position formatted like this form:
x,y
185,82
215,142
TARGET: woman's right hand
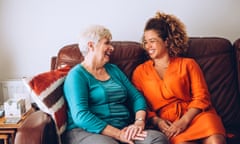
x,y
164,125
122,137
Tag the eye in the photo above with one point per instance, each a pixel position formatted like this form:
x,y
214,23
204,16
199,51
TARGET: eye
x,y
108,43
144,43
152,41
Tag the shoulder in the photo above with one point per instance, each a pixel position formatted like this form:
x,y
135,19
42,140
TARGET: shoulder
x,y
184,61
111,67
144,65
143,69
76,73
76,69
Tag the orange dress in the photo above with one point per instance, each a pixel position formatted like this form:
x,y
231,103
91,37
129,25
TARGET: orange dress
x,y
182,87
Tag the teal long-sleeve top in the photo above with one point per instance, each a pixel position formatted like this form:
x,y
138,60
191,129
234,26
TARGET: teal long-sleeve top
x,y
91,103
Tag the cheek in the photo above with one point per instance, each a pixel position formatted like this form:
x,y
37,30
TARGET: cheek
x,y
161,47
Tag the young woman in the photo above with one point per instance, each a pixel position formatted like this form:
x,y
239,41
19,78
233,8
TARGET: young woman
x,y
174,86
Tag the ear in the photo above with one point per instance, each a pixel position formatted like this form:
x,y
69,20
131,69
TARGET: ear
x,y
90,45
166,42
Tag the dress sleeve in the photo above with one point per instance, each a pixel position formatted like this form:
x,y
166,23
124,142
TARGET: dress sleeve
x,y
76,91
199,89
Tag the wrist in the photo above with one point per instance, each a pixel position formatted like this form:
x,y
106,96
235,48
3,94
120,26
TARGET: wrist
x,y
140,119
118,135
156,120
140,122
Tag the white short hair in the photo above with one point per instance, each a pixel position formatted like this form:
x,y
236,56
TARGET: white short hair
x,y
93,33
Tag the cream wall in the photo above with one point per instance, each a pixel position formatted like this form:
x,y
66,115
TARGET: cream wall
x,y
31,31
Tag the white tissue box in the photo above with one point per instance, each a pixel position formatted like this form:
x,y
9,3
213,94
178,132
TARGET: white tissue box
x,y
14,107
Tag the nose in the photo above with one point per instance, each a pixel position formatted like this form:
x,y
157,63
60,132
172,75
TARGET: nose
x,y
147,45
111,48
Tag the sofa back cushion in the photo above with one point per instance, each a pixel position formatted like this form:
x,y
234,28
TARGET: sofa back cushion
x,y
126,55
216,57
237,49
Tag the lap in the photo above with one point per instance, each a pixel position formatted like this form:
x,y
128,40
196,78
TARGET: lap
x,y
79,136
153,137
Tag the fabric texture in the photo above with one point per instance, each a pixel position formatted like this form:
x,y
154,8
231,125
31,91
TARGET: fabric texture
x,y
182,87
91,108
47,92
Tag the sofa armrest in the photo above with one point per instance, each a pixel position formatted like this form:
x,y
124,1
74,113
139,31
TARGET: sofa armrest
x,y
38,128
53,62
237,49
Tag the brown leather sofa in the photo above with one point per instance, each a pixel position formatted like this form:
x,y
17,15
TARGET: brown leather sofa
x,y
218,58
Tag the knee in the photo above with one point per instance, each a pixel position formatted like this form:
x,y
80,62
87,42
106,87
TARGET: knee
x,y
215,139
219,141
105,140
156,137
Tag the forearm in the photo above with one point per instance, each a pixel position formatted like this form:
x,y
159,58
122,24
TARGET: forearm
x,y
112,132
155,120
190,114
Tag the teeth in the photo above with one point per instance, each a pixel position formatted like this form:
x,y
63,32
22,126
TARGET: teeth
x,y
150,51
108,53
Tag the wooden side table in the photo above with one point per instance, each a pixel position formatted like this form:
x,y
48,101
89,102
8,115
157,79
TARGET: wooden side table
x,y
8,131
4,137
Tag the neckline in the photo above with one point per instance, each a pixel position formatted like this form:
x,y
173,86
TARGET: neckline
x,y
166,70
91,75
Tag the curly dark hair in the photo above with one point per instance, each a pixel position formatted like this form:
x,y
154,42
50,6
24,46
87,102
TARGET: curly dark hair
x,y
170,28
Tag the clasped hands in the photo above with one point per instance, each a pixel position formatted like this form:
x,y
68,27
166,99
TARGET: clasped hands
x,y
171,129
131,133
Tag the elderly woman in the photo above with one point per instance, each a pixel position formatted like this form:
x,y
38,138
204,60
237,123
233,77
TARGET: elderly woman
x,y
101,99
175,87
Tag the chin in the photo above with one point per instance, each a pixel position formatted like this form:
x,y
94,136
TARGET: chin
x,y
152,56
106,60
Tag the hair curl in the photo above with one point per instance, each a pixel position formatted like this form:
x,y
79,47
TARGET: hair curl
x,y
170,28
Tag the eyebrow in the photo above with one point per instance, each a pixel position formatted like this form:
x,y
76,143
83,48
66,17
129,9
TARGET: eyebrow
x,y
151,39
